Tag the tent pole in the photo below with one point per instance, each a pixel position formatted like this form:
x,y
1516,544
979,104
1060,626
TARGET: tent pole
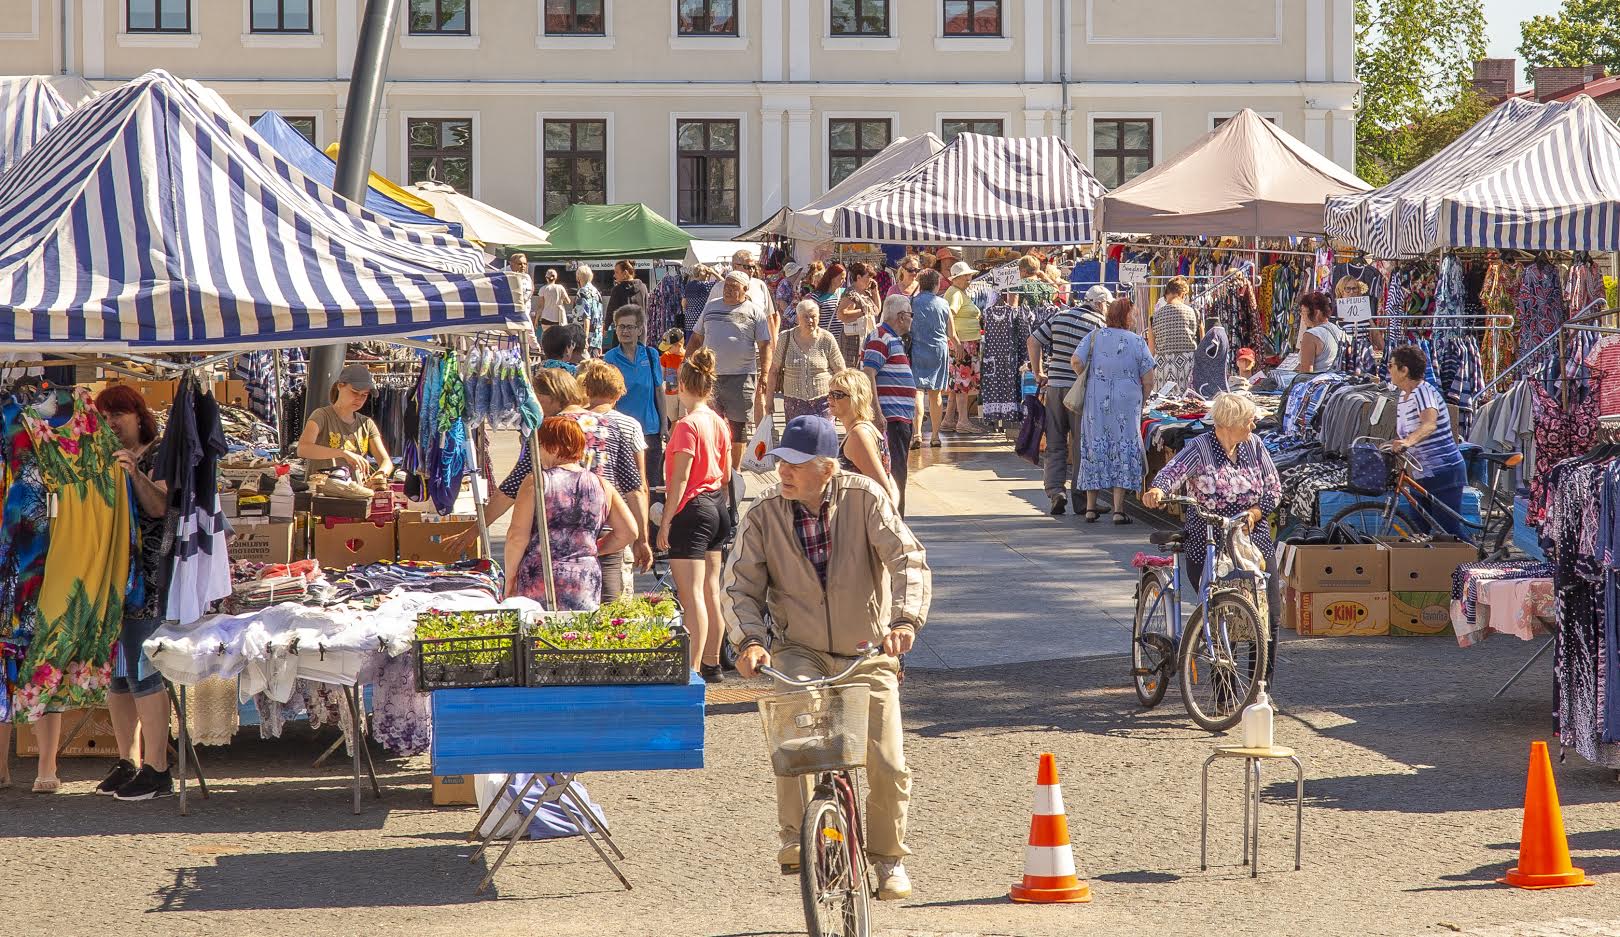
x,y
354,158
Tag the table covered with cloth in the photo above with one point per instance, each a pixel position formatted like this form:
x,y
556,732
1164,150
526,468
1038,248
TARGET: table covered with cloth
x,y
1503,597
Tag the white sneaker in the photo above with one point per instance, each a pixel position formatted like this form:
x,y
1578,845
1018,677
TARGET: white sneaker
x,y
893,882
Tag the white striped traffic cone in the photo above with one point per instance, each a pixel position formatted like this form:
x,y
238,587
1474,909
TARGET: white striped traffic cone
x,y
1049,876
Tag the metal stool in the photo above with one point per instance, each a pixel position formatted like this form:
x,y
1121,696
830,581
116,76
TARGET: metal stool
x,y
1251,802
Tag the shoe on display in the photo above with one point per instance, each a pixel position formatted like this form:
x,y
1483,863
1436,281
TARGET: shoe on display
x,y
893,882
123,771
147,784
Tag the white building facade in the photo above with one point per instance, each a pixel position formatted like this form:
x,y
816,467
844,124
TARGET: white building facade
x,y
717,112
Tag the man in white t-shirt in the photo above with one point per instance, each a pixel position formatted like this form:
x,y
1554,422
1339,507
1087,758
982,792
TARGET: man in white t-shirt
x,y
758,292
552,300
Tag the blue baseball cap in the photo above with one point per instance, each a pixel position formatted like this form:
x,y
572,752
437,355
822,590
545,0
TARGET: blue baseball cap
x,y
806,438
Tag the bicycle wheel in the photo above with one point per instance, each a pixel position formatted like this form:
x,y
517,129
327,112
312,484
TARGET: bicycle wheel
x,y
1221,675
833,888
1367,517
1153,643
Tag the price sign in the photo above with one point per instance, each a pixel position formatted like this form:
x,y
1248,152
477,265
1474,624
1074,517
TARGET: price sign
x,y
1355,309
1132,274
1004,276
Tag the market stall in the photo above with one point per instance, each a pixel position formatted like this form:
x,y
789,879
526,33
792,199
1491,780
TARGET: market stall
x,y
479,222
29,108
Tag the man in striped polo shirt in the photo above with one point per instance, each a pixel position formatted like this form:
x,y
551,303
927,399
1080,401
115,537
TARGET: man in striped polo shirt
x,y
886,362
1050,347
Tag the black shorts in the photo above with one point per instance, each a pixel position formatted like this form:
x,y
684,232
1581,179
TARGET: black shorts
x,y
701,527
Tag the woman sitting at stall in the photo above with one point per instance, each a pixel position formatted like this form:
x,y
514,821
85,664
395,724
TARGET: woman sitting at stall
x,y
578,506
1423,431
1321,341
1227,472
337,436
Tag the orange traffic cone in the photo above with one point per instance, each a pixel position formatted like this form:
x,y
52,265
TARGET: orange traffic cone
x,y
1048,859
1543,849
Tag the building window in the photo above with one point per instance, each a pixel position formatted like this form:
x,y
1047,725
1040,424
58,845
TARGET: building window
x,y
441,150
1216,124
576,164
441,18
304,125
951,129
868,18
158,16
851,142
1121,150
282,16
972,17
706,17
575,18
707,172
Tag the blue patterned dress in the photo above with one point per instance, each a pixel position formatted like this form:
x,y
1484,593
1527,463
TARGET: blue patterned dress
x,y
1111,425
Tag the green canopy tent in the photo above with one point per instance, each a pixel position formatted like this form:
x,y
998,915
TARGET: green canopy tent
x,y
609,232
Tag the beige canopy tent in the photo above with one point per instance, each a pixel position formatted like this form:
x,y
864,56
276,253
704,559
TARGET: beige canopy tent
x,y
1246,177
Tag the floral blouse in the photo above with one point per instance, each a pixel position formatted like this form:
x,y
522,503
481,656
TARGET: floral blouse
x,y
1223,486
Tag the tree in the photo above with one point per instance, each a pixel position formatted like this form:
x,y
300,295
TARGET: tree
x,y
1582,32
1414,59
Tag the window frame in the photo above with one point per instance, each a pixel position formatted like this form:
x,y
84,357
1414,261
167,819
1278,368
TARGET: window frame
x,y
158,29
860,6
281,15
439,33
606,120
859,152
741,123
545,26
1217,118
973,9
1094,157
708,7
412,117
1000,120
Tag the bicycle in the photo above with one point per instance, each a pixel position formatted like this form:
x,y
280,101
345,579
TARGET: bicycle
x,y
1219,657
1404,510
821,730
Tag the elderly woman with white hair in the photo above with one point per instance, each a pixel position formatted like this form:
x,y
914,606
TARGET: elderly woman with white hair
x,y
1228,472
587,310
807,356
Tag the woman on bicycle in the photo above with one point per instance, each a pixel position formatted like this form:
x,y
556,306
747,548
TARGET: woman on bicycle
x,y
1227,472
1423,432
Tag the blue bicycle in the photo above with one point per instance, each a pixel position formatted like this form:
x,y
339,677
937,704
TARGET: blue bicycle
x,y
1218,655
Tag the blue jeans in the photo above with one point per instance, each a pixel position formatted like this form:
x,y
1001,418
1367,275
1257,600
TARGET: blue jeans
x,y
1446,487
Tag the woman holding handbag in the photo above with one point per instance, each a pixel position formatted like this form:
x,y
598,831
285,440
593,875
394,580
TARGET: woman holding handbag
x,y
1117,374
857,311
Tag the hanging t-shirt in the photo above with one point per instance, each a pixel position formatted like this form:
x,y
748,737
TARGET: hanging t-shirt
x,y
704,436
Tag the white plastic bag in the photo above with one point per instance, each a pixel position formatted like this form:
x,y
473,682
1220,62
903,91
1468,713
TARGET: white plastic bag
x,y
754,458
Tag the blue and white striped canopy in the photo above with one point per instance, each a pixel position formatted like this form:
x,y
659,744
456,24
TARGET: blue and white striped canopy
x,y
29,108
153,218
981,190
1528,176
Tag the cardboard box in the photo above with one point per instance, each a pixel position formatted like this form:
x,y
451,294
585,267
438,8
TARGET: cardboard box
x,y
1334,568
264,543
339,545
341,508
1290,608
1420,614
1342,614
232,393
422,539
1426,567
453,790
94,738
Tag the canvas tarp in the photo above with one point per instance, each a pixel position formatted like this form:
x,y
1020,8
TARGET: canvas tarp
x,y
609,232
816,221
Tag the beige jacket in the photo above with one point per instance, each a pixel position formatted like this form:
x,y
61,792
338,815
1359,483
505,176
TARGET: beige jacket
x,y
769,573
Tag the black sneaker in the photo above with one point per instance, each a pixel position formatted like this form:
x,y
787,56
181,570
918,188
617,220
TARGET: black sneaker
x,y
123,772
711,673
147,784
1059,504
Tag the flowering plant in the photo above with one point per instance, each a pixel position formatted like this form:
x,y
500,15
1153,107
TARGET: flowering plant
x,y
626,623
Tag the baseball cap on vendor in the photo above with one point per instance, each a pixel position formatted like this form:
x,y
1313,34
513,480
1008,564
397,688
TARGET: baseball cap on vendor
x,y
805,438
357,376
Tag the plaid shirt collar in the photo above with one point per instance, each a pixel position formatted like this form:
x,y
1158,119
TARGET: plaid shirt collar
x,y
813,533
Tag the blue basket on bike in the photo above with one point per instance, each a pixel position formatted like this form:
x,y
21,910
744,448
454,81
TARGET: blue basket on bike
x,y
1372,469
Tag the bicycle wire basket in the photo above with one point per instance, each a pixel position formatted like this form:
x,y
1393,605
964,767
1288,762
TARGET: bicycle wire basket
x,y
816,730
1372,470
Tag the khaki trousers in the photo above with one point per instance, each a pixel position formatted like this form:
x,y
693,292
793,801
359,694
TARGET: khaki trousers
x,y
888,779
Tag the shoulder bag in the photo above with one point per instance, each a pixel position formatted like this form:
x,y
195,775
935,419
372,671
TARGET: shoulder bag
x,y
1075,399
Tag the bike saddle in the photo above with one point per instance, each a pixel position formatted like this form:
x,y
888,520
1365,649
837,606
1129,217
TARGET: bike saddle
x,y
1166,538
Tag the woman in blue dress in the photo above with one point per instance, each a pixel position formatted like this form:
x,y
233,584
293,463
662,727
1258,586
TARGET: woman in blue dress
x,y
932,335
1119,376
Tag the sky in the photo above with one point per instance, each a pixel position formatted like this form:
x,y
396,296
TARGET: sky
x,y
1502,19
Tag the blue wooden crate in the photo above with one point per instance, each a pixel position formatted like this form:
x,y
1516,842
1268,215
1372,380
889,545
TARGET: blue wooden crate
x,y
496,730
1330,503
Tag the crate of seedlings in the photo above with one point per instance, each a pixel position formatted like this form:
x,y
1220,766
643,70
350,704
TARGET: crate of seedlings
x,y
468,649
631,640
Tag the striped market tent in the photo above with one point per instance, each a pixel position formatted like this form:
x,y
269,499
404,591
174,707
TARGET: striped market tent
x,y
981,190
153,218
1528,176
29,108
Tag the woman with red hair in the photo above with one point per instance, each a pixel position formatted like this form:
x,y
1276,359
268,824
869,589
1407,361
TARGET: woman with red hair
x,y
578,505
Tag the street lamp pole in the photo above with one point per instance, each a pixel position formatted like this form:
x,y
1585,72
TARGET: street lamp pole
x,y
354,159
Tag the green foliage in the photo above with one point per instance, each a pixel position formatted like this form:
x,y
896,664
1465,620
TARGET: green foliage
x,y
1396,152
1582,32
628,622
1414,59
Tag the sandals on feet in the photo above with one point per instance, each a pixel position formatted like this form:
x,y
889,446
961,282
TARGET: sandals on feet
x,y
47,785
935,443
1121,518
1091,516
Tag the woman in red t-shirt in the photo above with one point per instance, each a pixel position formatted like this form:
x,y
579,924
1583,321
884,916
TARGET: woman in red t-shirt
x,y
697,509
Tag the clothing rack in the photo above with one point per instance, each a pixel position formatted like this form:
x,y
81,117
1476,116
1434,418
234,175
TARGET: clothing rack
x,y
1529,359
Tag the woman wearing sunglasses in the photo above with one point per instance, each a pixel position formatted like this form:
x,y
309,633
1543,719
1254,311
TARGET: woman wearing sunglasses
x,y
865,450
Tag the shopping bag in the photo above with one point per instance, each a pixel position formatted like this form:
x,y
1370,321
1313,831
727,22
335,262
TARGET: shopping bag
x,y
754,458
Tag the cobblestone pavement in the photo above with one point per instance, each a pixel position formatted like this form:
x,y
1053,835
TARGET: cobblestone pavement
x,y
1415,778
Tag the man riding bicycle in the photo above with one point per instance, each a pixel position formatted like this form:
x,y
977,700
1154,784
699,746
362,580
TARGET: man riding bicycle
x,y
824,526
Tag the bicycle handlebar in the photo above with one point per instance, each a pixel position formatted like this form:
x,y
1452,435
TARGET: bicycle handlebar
x,y
1198,509
868,651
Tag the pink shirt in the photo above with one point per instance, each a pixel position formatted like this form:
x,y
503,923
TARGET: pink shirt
x,y
704,436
